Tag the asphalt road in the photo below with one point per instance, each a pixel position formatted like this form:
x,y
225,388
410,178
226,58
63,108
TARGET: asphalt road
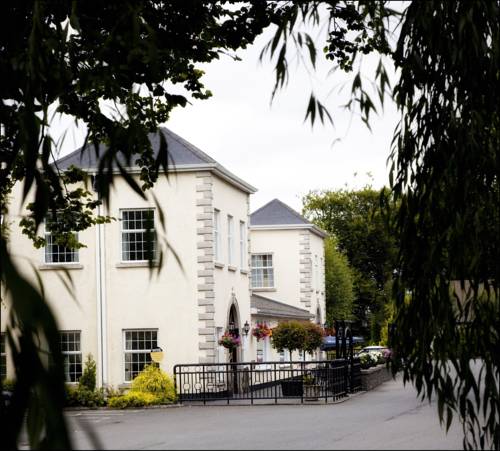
x,y
389,417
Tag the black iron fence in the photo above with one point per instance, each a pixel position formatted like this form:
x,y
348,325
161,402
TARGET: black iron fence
x,y
272,381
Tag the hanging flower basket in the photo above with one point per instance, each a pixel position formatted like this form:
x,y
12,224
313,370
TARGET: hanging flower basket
x,y
261,331
229,341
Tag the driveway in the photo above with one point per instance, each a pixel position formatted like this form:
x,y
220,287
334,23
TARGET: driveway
x,y
389,417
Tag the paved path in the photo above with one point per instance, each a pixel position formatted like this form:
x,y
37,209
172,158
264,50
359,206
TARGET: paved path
x,y
389,417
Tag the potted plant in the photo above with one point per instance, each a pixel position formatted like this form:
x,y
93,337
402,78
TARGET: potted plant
x,y
229,341
261,331
311,388
290,335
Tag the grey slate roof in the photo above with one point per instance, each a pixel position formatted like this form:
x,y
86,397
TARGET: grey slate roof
x,y
277,213
180,153
275,309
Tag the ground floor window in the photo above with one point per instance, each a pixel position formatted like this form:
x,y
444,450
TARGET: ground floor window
x,y
3,358
137,352
72,354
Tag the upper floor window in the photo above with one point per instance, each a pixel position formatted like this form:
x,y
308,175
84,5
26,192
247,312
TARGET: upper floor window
x,y
243,247
57,253
262,271
217,250
72,355
138,235
230,240
3,358
137,352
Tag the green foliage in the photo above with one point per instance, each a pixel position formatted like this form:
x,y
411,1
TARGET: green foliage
x,y
313,339
297,336
8,385
152,386
359,223
133,399
288,335
155,381
81,396
88,378
339,281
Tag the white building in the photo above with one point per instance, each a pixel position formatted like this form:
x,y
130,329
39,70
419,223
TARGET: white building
x,y
122,310
288,270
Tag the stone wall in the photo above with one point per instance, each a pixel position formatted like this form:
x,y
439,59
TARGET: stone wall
x,y
373,377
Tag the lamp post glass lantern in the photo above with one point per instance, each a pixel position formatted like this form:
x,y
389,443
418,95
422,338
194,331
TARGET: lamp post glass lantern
x,y
246,328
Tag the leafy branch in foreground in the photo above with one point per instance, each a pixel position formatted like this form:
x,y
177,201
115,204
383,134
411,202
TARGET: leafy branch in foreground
x,y
444,175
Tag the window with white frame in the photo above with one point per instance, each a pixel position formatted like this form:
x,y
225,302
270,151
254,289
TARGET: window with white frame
x,y
230,240
57,253
138,235
137,352
72,354
217,249
262,271
3,358
284,356
243,245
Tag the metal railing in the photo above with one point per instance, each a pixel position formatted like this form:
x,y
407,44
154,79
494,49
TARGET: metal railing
x,y
275,381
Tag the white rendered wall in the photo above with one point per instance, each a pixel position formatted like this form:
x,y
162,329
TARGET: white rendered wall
x,y
232,282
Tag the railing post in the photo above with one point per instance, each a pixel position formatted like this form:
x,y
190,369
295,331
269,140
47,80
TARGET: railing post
x,y
250,383
203,387
302,380
275,385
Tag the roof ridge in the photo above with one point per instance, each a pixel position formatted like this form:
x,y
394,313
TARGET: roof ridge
x,y
191,147
263,206
296,213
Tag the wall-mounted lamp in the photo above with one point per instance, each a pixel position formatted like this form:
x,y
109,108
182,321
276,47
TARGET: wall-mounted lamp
x,y
246,328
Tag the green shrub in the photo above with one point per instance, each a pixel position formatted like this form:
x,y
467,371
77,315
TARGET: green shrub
x,y
156,382
88,378
80,396
111,392
8,384
133,399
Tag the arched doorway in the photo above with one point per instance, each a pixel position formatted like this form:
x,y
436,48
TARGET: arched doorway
x,y
234,329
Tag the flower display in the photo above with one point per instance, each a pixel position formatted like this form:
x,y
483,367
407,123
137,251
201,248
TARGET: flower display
x,y
229,341
261,331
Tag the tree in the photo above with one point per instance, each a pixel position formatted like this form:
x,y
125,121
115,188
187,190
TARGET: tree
x,y
289,335
356,221
445,172
339,280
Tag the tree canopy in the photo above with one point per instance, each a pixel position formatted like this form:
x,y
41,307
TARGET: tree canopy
x,y
339,284
355,219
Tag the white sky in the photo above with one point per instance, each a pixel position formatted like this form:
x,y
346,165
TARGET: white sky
x,y
270,146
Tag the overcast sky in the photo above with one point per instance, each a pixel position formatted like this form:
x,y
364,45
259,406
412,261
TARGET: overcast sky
x,y
269,145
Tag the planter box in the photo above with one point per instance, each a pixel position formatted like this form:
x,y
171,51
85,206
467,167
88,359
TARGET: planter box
x,y
292,388
373,377
311,392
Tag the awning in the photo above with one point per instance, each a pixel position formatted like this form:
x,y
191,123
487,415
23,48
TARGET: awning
x,y
329,342
266,307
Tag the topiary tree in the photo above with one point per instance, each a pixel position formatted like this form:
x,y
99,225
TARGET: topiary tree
x,y
290,335
313,339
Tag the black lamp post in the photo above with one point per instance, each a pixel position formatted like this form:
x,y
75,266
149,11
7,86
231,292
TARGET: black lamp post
x,y
246,328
